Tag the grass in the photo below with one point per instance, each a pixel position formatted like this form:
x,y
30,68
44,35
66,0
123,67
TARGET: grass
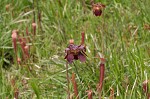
x,y
118,34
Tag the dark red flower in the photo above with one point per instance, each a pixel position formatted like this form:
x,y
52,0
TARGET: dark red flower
x,y
97,9
75,52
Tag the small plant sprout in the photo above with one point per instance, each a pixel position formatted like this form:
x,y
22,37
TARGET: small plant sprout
x,y
97,9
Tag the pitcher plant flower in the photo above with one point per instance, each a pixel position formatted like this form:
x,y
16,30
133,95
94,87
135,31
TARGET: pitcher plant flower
x,y
75,52
97,9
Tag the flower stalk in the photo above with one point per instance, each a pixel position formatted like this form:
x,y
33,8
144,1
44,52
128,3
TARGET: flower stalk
x,y
75,87
67,77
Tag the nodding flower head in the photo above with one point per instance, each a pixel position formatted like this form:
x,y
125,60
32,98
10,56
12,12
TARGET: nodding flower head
x,y
97,9
75,52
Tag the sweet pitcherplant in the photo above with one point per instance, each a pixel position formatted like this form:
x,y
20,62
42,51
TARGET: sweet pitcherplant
x,y
97,9
76,52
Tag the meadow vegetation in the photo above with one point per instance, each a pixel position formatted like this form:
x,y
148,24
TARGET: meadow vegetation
x,y
36,69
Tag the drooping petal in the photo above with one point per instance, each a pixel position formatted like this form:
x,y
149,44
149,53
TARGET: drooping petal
x,y
70,58
81,57
75,47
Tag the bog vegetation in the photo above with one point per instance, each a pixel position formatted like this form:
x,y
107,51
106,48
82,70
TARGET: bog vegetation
x,y
74,49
